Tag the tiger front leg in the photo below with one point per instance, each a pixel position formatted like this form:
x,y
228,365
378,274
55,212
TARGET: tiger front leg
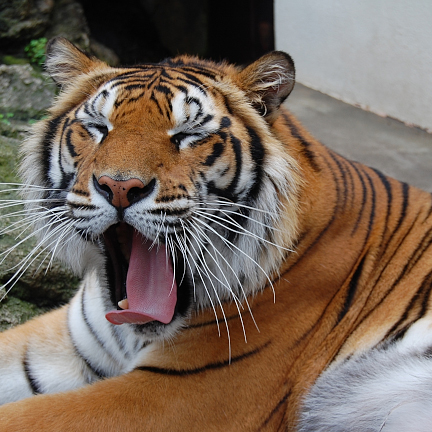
x,y
38,357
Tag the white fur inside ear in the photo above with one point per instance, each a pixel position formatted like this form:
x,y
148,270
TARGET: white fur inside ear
x,y
64,61
268,81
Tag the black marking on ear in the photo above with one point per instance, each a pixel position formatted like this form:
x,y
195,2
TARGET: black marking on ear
x,y
207,367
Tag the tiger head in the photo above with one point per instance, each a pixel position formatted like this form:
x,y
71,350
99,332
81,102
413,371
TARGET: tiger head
x,y
166,179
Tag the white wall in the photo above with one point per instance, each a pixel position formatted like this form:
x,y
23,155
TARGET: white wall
x,y
374,53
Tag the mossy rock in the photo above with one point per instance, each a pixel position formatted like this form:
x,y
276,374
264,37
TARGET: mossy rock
x,y
25,92
42,285
14,311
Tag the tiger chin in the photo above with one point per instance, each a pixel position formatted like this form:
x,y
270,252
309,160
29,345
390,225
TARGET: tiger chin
x,y
237,275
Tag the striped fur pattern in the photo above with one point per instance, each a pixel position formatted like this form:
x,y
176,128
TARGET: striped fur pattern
x,y
303,279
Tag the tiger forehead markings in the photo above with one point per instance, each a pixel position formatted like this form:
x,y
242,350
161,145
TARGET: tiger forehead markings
x,y
237,274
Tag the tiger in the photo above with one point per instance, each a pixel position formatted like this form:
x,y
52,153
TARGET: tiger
x,y
237,275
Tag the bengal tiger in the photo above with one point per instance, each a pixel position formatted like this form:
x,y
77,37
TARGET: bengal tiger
x,y
237,274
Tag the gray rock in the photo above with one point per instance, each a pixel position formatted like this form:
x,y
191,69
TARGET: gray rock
x,y
68,20
22,20
25,92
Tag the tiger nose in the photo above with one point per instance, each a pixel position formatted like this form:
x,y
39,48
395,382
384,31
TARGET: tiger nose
x,y
123,193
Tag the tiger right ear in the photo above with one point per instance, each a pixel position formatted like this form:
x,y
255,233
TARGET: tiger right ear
x,y
268,82
64,61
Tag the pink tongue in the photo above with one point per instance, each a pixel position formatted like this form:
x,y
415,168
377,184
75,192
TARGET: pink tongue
x,y
150,286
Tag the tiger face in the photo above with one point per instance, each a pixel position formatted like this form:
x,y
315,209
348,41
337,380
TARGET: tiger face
x,y
165,180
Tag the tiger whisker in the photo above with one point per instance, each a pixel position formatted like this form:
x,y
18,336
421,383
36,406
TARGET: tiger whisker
x,y
22,186
224,211
185,257
173,255
203,261
232,270
33,233
235,204
220,304
26,263
208,294
28,221
245,231
156,239
227,242
179,245
235,298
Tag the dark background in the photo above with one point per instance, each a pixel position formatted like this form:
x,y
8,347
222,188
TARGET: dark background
x,y
150,30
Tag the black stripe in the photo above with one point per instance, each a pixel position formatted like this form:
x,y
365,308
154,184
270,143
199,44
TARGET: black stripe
x,y
69,144
91,330
218,149
258,154
405,196
421,295
52,128
342,171
83,206
194,80
207,367
364,196
275,409
80,192
95,371
306,145
388,188
236,146
164,89
198,70
225,122
153,98
30,379
352,288
372,210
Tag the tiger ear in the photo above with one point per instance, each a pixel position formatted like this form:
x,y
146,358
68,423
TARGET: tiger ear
x,y
65,61
268,82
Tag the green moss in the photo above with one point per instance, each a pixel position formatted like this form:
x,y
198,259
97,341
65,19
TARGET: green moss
x,y
35,51
12,60
14,311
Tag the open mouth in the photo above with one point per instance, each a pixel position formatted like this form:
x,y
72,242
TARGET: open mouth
x,y
141,278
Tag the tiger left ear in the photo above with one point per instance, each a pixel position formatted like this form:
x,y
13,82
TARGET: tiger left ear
x,y
65,62
268,82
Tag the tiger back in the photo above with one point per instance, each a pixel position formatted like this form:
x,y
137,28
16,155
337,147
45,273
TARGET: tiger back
x,y
237,274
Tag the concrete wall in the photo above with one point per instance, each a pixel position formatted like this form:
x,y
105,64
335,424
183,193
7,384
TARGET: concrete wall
x,y
372,53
